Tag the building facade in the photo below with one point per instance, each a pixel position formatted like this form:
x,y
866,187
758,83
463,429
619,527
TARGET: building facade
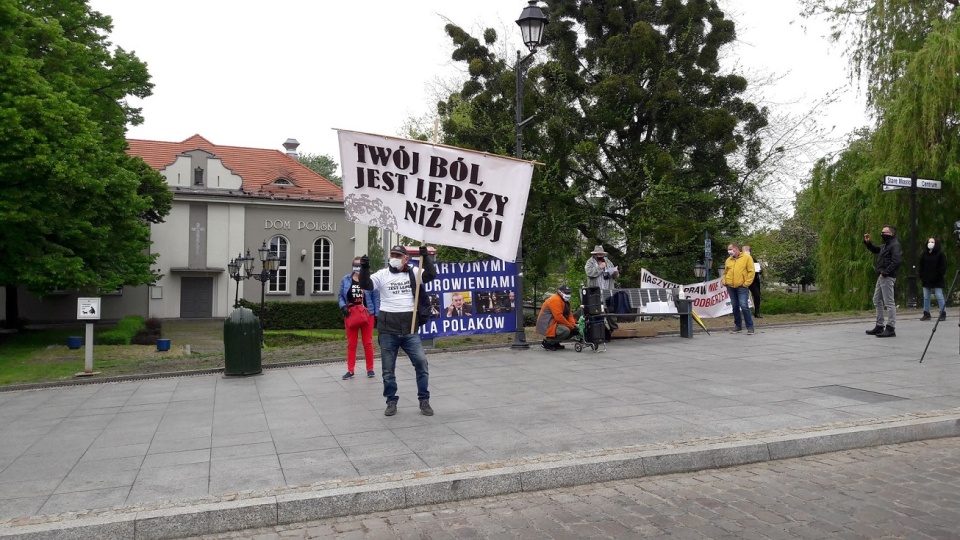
x,y
228,200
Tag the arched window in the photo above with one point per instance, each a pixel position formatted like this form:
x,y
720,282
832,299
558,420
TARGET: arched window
x,y
322,257
279,247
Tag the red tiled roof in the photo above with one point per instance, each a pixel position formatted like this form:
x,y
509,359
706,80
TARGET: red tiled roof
x,y
258,167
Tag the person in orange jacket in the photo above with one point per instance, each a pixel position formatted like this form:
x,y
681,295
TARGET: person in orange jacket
x,y
555,322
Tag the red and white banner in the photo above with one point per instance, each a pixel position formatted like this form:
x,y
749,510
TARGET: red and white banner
x,y
710,298
435,194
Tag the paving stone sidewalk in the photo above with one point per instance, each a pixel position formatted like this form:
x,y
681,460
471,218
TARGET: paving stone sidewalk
x,y
143,444
897,491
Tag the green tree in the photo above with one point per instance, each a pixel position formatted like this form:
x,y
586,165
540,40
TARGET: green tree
x,y
792,255
916,131
324,165
74,209
880,36
636,124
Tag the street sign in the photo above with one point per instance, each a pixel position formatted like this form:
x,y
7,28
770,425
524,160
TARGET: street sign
x,y
904,181
88,309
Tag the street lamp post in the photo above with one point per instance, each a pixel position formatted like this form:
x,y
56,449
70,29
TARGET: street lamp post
x,y
241,268
699,270
531,22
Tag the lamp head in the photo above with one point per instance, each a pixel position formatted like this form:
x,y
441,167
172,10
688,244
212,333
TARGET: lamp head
x,y
531,22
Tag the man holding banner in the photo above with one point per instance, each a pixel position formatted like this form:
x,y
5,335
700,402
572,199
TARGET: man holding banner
x,y
397,313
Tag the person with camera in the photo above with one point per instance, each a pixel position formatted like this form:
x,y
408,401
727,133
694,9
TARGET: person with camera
x,y
555,322
889,258
933,269
360,310
397,287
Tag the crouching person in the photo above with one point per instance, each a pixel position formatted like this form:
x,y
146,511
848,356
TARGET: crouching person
x,y
555,321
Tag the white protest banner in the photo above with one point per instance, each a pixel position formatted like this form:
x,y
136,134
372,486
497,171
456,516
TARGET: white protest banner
x,y
435,194
710,298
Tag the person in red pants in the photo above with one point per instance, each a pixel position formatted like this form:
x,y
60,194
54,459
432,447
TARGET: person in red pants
x,y
360,310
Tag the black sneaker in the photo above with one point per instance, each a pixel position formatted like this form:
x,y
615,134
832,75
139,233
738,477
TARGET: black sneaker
x,y
736,330
425,407
926,316
391,408
371,374
888,331
348,375
943,316
876,330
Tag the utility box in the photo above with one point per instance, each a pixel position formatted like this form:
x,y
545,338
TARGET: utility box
x,y
242,341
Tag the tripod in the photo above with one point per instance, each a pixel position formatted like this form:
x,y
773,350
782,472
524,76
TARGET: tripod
x,y
946,298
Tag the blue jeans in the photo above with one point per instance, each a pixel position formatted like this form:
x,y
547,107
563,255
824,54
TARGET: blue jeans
x,y
740,300
926,298
390,344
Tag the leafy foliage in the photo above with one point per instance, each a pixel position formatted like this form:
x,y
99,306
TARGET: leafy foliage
x,y
881,36
324,165
636,125
75,209
917,131
127,328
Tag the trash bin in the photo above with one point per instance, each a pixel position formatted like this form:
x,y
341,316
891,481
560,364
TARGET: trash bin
x,y
74,342
242,337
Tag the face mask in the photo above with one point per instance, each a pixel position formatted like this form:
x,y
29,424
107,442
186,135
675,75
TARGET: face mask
x,y
598,257
886,237
930,245
730,252
565,296
396,263
356,269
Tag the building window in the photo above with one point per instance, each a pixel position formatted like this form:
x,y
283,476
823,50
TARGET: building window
x,y
198,176
322,256
282,182
279,247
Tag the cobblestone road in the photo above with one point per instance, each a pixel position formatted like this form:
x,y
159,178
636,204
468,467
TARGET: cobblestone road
x,y
907,491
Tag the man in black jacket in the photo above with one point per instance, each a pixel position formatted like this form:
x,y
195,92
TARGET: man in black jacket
x,y
397,312
889,257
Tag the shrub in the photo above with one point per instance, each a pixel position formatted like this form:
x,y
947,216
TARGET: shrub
x,y
150,333
776,302
298,315
122,333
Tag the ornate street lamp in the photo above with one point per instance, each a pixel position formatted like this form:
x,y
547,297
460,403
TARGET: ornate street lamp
x,y
531,22
699,270
236,273
241,268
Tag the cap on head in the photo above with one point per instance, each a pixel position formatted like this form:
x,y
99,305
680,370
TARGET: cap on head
x,y
598,250
399,250
564,289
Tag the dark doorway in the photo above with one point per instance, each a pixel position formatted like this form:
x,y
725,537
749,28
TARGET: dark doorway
x,y
196,297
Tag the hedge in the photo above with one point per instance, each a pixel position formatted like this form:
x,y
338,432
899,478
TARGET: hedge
x,y
123,333
298,315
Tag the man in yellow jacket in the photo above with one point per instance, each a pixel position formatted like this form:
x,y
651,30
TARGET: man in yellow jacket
x,y
738,274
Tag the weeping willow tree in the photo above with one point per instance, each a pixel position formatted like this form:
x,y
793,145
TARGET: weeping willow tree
x,y
918,129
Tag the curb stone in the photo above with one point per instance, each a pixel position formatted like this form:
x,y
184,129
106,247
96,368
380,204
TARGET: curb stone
x,y
441,486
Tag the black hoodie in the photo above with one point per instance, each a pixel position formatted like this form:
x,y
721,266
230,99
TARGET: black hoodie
x,y
933,267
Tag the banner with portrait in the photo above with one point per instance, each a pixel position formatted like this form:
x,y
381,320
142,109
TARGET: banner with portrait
x,y
476,297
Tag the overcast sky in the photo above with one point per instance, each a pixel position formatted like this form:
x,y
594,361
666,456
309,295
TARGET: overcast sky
x,y
253,73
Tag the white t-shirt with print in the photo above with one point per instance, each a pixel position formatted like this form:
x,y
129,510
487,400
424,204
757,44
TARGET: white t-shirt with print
x,y
396,295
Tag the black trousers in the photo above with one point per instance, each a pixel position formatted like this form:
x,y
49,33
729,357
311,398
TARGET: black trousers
x,y
755,293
